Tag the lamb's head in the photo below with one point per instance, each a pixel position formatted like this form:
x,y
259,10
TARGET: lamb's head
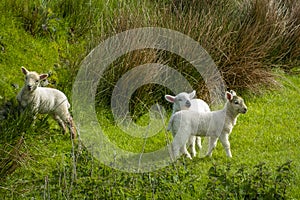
x,y
181,101
32,79
236,103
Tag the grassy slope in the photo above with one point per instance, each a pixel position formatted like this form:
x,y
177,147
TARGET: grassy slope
x,y
270,130
20,49
267,133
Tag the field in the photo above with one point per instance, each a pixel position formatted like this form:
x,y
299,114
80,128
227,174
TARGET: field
x,y
255,50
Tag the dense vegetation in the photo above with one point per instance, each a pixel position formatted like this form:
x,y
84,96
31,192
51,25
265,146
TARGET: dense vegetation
x,y
256,46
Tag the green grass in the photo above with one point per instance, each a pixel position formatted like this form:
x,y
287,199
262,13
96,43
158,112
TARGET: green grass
x,y
267,133
38,161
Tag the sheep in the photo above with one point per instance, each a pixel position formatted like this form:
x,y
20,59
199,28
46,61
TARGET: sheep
x,y
214,124
45,100
184,101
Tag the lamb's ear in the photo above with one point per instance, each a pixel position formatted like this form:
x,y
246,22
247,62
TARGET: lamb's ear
x,y
170,98
229,96
192,94
233,92
43,76
24,70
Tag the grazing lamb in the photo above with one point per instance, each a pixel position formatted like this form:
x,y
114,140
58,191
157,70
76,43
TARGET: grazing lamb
x,y
45,100
185,101
215,124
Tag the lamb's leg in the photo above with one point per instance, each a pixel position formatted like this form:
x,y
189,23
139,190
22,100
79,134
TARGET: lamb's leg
x,y
72,128
198,141
175,151
224,138
212,144
191,142
34,119
60,122
185,151
179,143
67,119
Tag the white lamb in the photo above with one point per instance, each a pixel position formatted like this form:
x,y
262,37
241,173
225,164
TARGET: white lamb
x,y
185,101
215,124
45,100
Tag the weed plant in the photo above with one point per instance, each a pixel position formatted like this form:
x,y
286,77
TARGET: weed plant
x,y
259,183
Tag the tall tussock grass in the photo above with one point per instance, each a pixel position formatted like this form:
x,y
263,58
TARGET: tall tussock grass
x,y
16,126
247,39
13,126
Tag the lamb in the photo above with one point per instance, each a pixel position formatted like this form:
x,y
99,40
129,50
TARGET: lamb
x,y
185,101
215,124
45,100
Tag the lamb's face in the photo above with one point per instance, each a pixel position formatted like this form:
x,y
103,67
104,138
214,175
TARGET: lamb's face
x,y
238,104
32,79
181,101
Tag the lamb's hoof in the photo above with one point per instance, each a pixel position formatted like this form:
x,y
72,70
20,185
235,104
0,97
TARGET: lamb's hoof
x,y
72,133
208,156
